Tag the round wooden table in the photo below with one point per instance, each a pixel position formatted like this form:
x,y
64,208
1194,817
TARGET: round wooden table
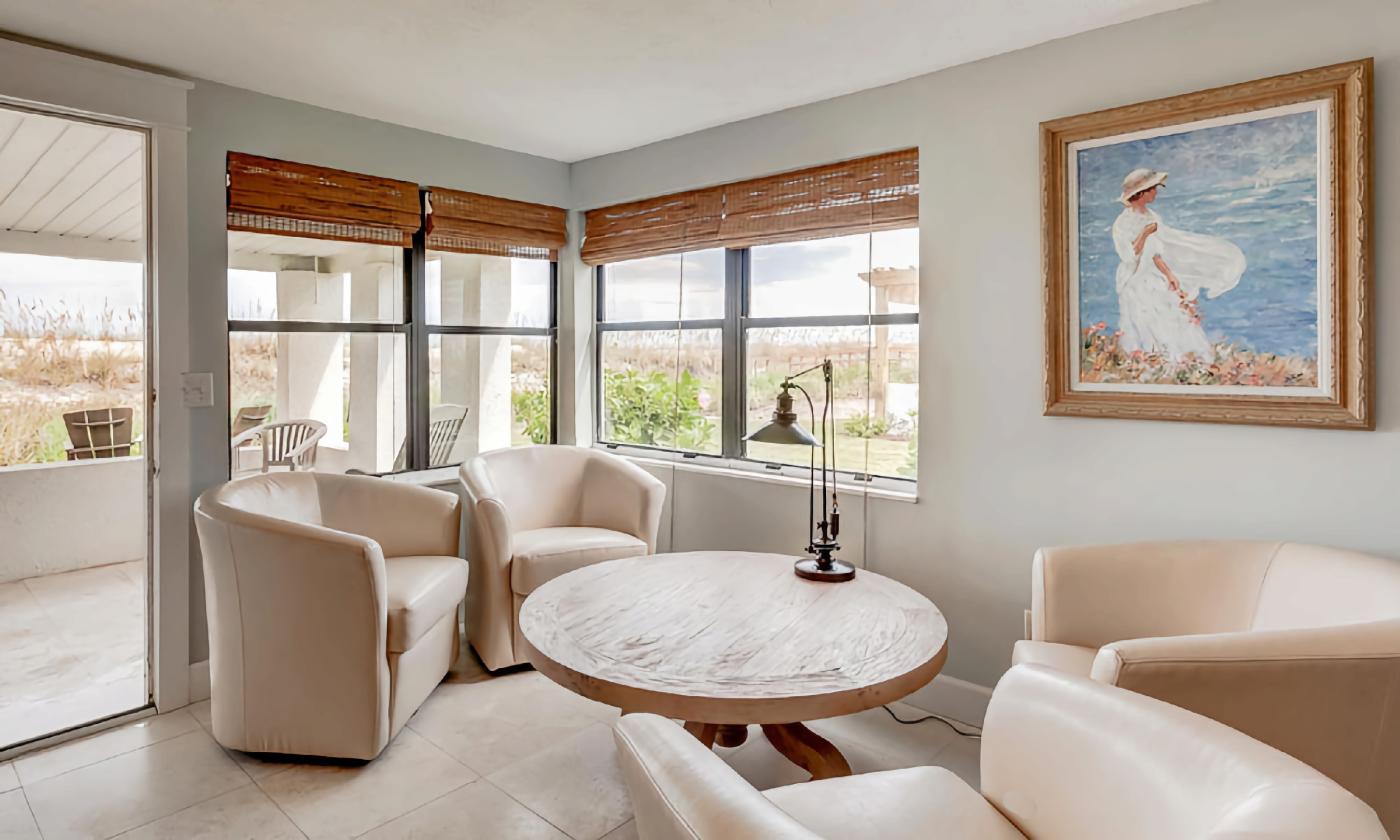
x,y
722,639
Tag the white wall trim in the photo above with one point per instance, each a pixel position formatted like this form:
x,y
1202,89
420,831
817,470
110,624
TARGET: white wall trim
x,y
199,680
963,701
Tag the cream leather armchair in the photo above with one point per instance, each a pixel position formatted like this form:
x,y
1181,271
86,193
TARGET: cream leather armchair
x,y
1063,758
537,512
1296,645
332,606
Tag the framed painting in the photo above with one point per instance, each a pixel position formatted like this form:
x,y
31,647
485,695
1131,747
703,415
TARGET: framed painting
x,y
1206,255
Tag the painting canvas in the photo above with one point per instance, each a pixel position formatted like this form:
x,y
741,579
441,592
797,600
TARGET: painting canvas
x,y
1208,263
1197,255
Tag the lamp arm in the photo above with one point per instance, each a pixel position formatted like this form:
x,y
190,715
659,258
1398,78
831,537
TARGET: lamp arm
x,y
811,464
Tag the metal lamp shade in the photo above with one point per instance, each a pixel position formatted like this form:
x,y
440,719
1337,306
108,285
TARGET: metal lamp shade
x,y
781,432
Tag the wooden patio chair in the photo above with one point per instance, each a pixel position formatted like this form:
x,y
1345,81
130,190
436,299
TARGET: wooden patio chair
x,y
290,444
250,416
99,433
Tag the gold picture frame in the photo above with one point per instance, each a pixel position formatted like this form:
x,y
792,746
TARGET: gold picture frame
x,y
1243,372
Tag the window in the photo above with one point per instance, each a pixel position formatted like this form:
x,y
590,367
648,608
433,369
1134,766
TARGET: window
x,y
415,347
490,353
679,333
660,358
317,332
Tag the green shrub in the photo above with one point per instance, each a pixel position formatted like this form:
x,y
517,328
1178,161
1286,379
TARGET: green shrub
x,y
656,409
862,426
532,414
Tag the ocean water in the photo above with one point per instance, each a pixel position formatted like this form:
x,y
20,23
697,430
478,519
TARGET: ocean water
x,y
1254,184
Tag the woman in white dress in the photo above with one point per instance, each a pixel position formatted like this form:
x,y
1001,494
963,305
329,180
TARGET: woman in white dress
x,y
1162,273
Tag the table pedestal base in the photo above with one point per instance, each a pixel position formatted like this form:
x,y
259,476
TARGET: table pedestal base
x,y
794,741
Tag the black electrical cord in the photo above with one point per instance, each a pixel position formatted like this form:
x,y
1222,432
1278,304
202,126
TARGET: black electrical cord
x,y
945,721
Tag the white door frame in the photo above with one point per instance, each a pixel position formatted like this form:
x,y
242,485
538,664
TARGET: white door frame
x,y
64,84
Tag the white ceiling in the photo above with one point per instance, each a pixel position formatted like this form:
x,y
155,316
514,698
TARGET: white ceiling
x,y
67,179
565,79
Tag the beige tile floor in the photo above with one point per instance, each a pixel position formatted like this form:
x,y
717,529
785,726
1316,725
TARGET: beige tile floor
x,y
73,647
486,757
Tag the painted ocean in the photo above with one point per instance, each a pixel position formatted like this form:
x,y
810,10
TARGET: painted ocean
x,y
1253,183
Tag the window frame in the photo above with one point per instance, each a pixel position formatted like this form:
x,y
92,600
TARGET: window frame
x,y
418,338
734,327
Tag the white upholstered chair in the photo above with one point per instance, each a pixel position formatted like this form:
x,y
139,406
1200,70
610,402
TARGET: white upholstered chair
x,y
537,512
332,605
1296,645
1063,758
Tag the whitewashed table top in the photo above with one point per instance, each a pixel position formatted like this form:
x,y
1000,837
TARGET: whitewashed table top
x,y
732,637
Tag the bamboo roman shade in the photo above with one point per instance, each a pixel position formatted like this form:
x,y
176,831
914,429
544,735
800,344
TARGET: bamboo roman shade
x,y
880,192
469,223
685,221
296,199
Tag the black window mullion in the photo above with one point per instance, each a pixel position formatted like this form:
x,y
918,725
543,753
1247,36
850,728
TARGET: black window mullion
x,y
731,354
416,267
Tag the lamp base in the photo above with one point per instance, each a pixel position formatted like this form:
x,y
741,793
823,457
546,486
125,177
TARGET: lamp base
x,y
810,569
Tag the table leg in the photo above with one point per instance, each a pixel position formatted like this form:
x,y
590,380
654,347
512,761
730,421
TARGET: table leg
x,y
704,732
807,750
732,734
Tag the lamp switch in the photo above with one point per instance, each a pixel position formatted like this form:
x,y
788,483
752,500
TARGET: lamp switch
x,y
197,389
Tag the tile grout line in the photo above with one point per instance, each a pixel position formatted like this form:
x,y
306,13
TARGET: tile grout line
x,y
88,739
34,818
547,820
177,811
420,807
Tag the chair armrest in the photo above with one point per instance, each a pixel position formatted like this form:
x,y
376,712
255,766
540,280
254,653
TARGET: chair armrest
x,y
1066,756
299,451
682,791
621,496
1092,595
403,518
1329,696
297,627
489,527
244,436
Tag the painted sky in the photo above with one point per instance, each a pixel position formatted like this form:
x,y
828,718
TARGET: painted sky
x,y
1253,183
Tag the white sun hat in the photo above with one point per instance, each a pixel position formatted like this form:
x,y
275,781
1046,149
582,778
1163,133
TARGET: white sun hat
x,y
1139,180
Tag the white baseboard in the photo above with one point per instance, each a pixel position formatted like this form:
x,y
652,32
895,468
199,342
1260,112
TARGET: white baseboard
x,y
199,681
963,701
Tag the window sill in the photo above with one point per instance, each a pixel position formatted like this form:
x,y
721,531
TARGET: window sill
x,y
752,471
435,477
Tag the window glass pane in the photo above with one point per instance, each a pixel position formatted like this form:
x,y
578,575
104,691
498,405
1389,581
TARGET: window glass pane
x,y
662,388
486,392
288,278
815,277
351,382
894,258
832,276
772,354
477,290
687,286
875,404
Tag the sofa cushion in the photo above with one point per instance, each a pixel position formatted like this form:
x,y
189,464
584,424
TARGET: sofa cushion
x,y
543,554
1071,659
421,590
918,802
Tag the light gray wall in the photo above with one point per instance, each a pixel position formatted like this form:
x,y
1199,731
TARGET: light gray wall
x,y
224,119
998,478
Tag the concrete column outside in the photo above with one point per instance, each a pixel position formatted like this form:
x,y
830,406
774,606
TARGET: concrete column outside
x,y
376,370
310,366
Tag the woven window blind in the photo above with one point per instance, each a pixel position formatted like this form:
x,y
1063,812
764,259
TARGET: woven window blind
x,y
685,221
880,192
469,223
297,199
